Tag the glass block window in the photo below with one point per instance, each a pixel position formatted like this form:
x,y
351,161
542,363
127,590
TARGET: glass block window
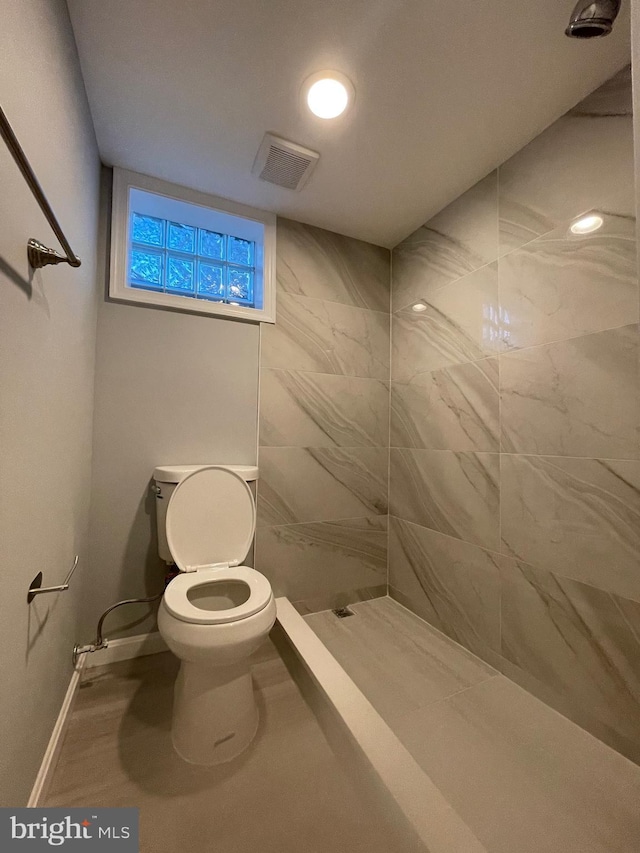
x,y
180,249
146,268
191,261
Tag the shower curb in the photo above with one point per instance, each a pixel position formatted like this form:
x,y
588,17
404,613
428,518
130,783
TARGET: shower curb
x,y
424,807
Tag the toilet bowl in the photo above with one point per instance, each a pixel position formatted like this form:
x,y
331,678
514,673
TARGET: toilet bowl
x,y
215,614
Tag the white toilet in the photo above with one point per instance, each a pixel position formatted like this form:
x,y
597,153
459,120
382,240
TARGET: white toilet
x,y
216,613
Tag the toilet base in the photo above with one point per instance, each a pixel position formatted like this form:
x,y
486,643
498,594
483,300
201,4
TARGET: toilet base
x,y
215,715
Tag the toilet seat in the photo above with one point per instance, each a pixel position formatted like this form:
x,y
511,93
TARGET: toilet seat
x,y
210,522
177,601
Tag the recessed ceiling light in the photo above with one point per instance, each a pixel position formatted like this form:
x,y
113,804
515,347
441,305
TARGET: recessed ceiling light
x,y
587,224
328,93
419,307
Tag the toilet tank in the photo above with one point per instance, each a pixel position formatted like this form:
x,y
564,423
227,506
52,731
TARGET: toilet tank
x,y
167,477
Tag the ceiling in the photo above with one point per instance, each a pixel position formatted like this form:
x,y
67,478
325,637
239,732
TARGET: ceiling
x,y
445,91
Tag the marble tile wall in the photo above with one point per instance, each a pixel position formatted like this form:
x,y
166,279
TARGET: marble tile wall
x,y
515,420
324,421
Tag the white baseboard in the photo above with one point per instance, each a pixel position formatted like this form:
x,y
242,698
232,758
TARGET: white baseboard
x,y
50,758
117,650
127,648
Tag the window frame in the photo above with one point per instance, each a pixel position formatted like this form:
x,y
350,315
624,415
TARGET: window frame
x,y
119,290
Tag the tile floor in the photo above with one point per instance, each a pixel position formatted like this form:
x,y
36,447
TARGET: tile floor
x,y
286,794
524,778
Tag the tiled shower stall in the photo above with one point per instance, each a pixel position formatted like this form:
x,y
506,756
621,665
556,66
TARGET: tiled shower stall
x,y
512,464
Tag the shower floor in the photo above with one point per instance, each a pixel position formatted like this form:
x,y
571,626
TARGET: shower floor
x,y
287,793
523,778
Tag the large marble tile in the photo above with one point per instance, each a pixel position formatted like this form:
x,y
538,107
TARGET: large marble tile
x,y
320,409
455,408
398,661
458,240
451,584
563,285
453,493
579,518
460,324
563,703
522,777
613,98
328,563
582,642
582,161
319,263
325,601
321,483
326,337
573,398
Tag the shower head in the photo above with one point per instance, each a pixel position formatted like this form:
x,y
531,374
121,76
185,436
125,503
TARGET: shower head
x,y
592,19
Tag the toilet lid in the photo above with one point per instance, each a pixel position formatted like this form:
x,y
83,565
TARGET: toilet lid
x,y
211,519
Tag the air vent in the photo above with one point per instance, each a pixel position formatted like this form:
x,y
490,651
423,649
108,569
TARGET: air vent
x,y
284,163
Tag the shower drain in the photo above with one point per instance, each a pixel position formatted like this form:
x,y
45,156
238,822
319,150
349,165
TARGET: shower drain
x,y
343,612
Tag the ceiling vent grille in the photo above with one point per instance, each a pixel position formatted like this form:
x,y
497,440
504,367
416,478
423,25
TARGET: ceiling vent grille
x,y
284,163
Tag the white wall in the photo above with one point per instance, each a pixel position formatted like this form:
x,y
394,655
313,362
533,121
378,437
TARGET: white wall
x,y
47,343
171,388
635,77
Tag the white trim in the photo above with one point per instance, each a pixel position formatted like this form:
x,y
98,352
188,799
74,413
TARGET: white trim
x,y
52,752
117,650
123,181
127,648
427,811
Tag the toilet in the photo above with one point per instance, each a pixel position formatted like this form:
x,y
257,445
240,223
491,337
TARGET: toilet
x,y
217,612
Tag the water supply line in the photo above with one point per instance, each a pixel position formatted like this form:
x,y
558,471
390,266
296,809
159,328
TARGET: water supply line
x,y
100,642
